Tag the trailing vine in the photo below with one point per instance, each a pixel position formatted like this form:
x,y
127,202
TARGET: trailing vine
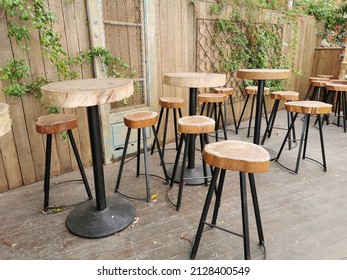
x,y
37,15
245,38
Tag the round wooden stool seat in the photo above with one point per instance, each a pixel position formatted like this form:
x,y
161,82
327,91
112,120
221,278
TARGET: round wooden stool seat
x,y
311,79
325,76
317,83
171,102
54,123
254,90
212,97
237,156
308,107
344,82
196,125
140,119
336,87
223,90
285,95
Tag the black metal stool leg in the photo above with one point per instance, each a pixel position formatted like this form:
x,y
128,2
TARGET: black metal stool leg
x,y
204,214
302,140
148,186
80,165
250,117
158,127
184,160
165,130
224,125
271,122
243,111
138,161
175,128
219,191
177,159
202,145
47,170
243,191
123,159
256,207
233,112
322,144
286,137
161,155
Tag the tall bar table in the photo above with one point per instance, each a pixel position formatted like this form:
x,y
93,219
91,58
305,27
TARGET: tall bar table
x,y
193,81
5,119
94,219
261,75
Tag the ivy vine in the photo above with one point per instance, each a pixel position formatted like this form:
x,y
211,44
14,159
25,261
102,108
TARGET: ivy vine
x,y
37,15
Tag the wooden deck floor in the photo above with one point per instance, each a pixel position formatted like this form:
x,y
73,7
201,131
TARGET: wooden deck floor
x,y
304,216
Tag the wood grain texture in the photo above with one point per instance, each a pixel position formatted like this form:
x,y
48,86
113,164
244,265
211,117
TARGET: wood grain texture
x,y
171,102
141,119
263,74
308,107
285,95
336,87
196,125
54,123
237,155
212,97
87,92
194,80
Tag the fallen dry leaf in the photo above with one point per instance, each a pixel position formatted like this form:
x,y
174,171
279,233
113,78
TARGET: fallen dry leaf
x,y
135,221
9,244
187,239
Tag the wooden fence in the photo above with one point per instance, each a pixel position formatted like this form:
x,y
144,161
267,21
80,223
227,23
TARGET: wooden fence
x,y
22,149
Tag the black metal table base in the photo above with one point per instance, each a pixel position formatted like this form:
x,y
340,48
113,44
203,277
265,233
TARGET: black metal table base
x,y
192,177
86,221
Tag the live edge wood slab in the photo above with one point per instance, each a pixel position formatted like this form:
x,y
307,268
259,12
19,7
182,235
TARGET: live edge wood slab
x,y
86,92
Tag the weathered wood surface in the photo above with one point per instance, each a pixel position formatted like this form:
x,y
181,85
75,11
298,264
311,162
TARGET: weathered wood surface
x,y
87,92
194,80
196,125
263,74
237,155
5,119
308,107
141,119
285,95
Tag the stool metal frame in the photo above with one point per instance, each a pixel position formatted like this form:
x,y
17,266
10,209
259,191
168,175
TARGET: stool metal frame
x,y
48,168
218,116
187,138
174,113
303,143
144,136
244,210
251,115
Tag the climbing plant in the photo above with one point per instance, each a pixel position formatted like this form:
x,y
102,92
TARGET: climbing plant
x,y
246,38
25,14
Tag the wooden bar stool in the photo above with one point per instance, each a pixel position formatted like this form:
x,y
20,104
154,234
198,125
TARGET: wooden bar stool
x,y
141,121
281,96
307,108
51,124
236,156
169,103
190,127
214,100
229,92
341,103
252,91
315,86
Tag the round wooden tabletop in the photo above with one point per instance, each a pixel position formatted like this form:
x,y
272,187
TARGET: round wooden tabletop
x,y
5,119
263,74
194,80
86,92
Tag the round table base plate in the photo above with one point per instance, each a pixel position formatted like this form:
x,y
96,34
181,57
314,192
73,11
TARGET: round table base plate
x,y
86,221
192,177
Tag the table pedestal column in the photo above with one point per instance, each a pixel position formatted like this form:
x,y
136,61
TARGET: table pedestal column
x,y
88,220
